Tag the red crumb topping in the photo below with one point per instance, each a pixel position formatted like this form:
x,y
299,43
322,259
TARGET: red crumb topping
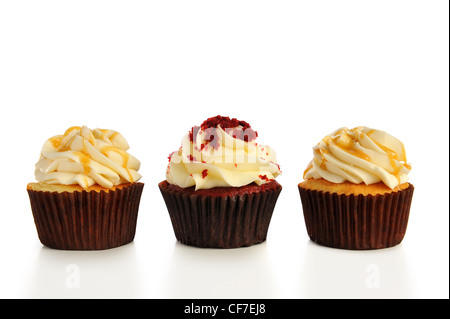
x,y
247,134
224,122
204,173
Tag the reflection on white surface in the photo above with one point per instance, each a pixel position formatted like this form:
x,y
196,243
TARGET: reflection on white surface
x,y
85,274
259,271
337,273
219,273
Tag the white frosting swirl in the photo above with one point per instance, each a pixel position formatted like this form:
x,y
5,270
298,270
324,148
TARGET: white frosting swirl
x,y
359,155
228,162
87,157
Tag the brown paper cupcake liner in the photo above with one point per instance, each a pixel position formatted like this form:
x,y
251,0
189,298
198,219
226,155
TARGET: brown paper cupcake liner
x,y
220,221
356,221
86,220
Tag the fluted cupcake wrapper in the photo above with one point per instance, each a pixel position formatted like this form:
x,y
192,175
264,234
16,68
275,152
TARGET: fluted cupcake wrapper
x,y
220,221
86,220
356,221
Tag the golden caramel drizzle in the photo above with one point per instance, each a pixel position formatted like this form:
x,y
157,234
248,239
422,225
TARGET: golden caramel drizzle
x,y
355,152
105,132
83,155
393,157
113,135
85,161
56,141
125,157
323,163
310,165
346,142
70,129
404,152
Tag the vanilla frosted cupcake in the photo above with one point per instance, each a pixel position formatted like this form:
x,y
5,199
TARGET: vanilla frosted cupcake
x,y
87,192
356,193
220,187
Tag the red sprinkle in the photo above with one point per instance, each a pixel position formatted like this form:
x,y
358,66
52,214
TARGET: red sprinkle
x,y
265,178
204,173
279,168
193,132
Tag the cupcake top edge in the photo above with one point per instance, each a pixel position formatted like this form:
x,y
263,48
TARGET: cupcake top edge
x,y
86,157
221,152
359,155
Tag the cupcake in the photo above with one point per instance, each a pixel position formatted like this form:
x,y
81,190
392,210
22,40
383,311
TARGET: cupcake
x,y
87,192
356,193
220,188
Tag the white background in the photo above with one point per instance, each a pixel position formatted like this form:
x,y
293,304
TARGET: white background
x,y
295,70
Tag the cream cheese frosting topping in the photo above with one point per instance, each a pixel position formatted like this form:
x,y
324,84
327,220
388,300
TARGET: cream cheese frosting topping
x,y
359,155
87,157
222,152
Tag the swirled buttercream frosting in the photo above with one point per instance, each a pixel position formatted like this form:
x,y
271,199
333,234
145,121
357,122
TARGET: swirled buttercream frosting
x,y
87,157
359,155
221,152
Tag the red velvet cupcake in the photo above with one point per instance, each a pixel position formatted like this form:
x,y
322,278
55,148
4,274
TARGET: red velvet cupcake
x,y
220,187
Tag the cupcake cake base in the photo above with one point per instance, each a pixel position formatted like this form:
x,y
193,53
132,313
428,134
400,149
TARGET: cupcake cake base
x,y
356,221
221,217
72,218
